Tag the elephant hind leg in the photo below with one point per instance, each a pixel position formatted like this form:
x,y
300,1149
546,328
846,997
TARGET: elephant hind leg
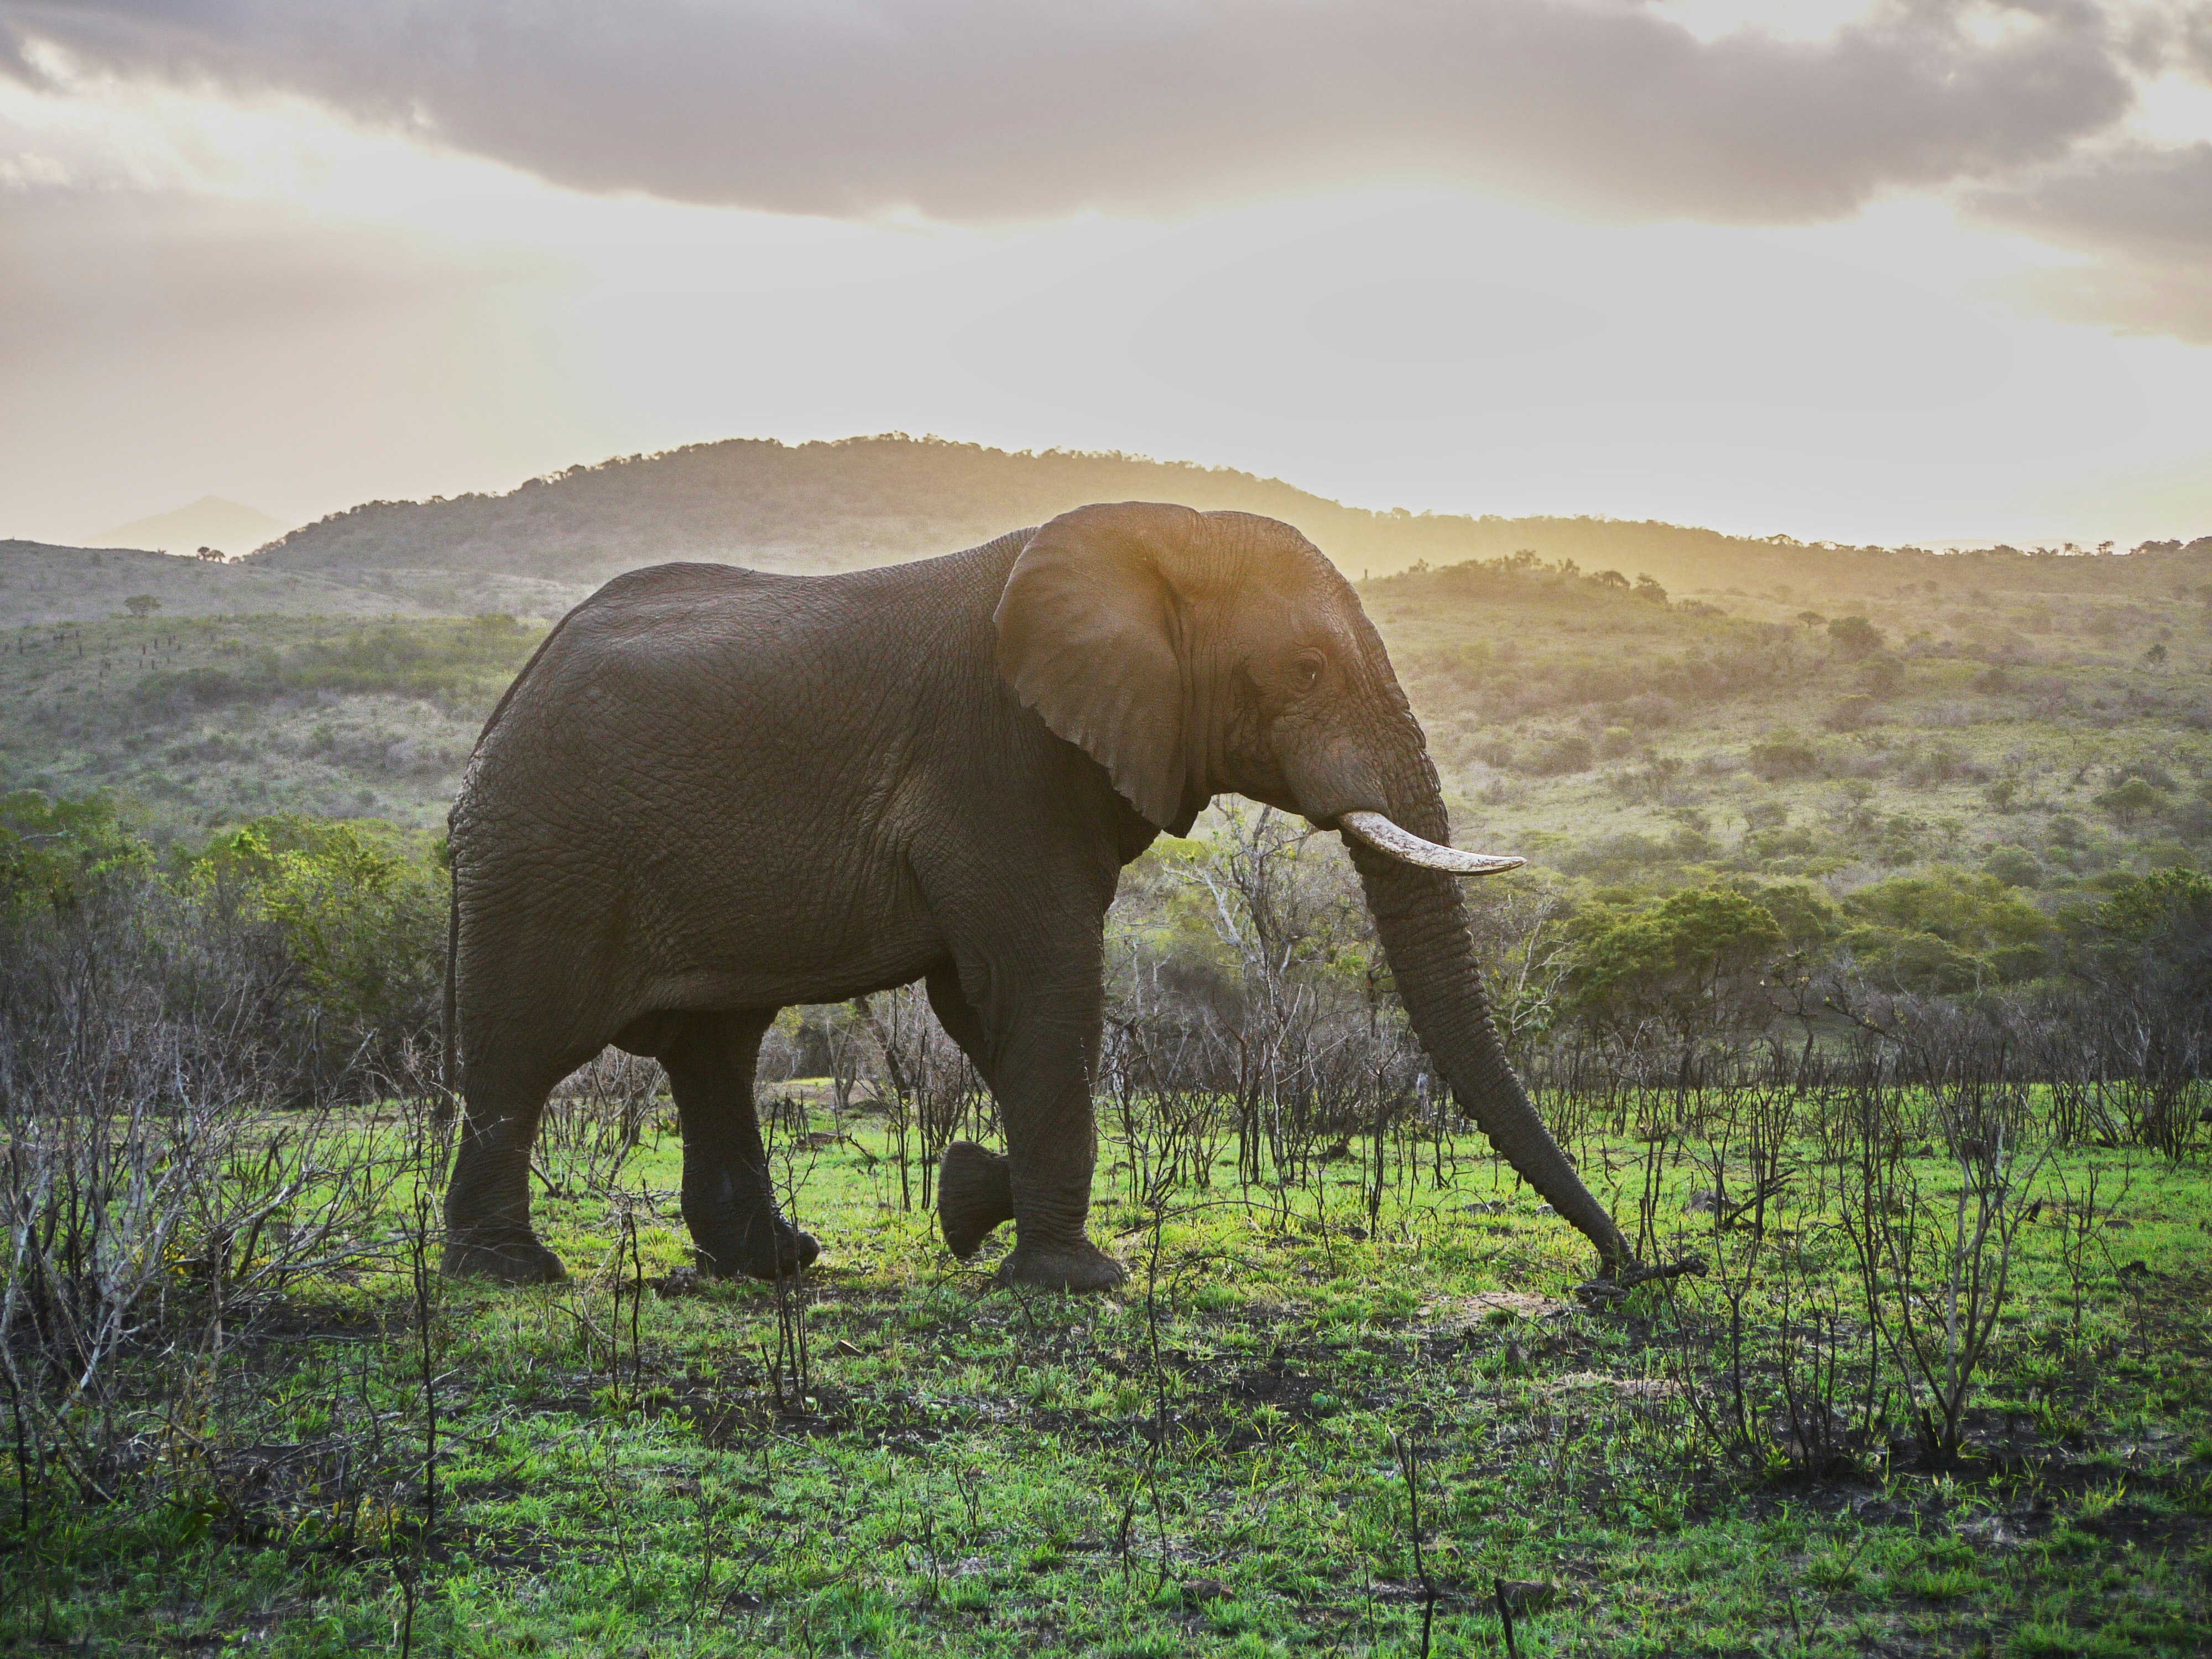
x,y
974,1193
729,1203
487,1231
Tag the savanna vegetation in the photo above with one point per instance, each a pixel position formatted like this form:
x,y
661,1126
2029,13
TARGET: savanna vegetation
x,y
1941,1387
1864,958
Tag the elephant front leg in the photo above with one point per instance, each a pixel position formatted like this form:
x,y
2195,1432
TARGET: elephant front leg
x,y
1051,1146
729,1203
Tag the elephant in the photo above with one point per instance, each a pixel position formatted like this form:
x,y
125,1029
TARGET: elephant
x,y
716,792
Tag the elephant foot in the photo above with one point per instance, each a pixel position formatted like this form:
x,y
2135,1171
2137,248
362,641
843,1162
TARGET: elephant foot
x,y
1083,1267
771,1250
974,1193
510,1258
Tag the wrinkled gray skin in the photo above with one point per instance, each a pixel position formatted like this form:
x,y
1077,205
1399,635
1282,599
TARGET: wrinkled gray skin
x,y
714,793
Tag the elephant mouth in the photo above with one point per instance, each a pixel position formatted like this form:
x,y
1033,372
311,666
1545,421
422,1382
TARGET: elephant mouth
x,y
1393,840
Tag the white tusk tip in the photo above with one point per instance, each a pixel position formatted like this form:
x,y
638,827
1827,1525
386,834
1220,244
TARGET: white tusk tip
x,y
1385,836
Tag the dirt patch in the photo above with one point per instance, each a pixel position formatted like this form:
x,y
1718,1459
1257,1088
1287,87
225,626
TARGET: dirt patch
x,y
1485,1306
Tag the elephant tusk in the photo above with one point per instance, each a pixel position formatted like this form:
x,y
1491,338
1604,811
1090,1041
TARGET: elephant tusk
x,y
1384,837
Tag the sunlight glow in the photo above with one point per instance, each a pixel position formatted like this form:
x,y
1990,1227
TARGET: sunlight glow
x,y
1882,378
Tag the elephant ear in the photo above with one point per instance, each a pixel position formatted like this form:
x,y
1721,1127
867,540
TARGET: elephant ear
x,y
1088,627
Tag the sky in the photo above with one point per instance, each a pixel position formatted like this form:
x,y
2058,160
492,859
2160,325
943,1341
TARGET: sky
x,y
1908,271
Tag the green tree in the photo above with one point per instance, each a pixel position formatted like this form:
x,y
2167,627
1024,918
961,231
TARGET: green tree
x,y
1947,930
363,917
59,852
2166,910
2131,801
142,605
1690,964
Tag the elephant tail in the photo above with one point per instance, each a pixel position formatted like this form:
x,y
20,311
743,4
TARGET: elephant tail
x,y
448,1035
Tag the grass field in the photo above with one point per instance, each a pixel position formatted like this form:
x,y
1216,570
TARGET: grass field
x,y
898,1457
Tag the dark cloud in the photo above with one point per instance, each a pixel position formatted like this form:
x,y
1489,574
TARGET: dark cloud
x,y
2145,213
979,110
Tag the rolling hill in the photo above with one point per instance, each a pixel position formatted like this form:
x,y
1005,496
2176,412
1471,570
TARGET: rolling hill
x,y
875,501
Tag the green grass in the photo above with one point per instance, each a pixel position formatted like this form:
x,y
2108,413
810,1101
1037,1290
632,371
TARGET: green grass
x,y
1201,1463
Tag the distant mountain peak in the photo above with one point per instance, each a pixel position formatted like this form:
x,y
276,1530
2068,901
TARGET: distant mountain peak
x,y
211,522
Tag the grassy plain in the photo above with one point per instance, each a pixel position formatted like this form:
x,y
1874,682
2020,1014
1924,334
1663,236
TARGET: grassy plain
x,y
629,1463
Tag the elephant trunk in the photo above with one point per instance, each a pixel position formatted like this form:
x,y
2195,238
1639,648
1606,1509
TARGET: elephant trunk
x,y
1423,923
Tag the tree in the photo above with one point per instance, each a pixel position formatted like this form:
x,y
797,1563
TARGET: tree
x,y
1692,964
1881,674
1855,637
2166,911
2131,802
142,605
1811,618
1946,930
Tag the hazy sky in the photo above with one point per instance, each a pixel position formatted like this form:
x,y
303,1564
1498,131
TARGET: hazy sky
x,y
1911,270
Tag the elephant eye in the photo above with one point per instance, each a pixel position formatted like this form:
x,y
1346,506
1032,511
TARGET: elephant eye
x,y
1306,670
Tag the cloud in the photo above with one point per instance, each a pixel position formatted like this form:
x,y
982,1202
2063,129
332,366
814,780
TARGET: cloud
x,y
2146,214
990,110
2175,37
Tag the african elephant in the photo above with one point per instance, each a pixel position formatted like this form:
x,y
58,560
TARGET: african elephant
x,y
713,793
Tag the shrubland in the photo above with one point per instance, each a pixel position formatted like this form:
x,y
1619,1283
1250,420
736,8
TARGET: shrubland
x,y
1941,1382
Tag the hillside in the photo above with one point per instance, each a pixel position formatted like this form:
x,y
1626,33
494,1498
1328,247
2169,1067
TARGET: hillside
x,y
42,586
877,501
2049,713
1606,730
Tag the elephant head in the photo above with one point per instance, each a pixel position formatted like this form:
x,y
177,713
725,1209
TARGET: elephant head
x,y
1196,654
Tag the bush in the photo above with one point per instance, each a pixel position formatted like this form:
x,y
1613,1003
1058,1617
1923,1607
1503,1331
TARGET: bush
x,y
362,920
54,854
1948,931
2015,866
1852,712
1691,963
2130,802
2165,917
1571,753
154,1211
349,920
1941,763
1881,675
1784,757
447,662
1855,637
